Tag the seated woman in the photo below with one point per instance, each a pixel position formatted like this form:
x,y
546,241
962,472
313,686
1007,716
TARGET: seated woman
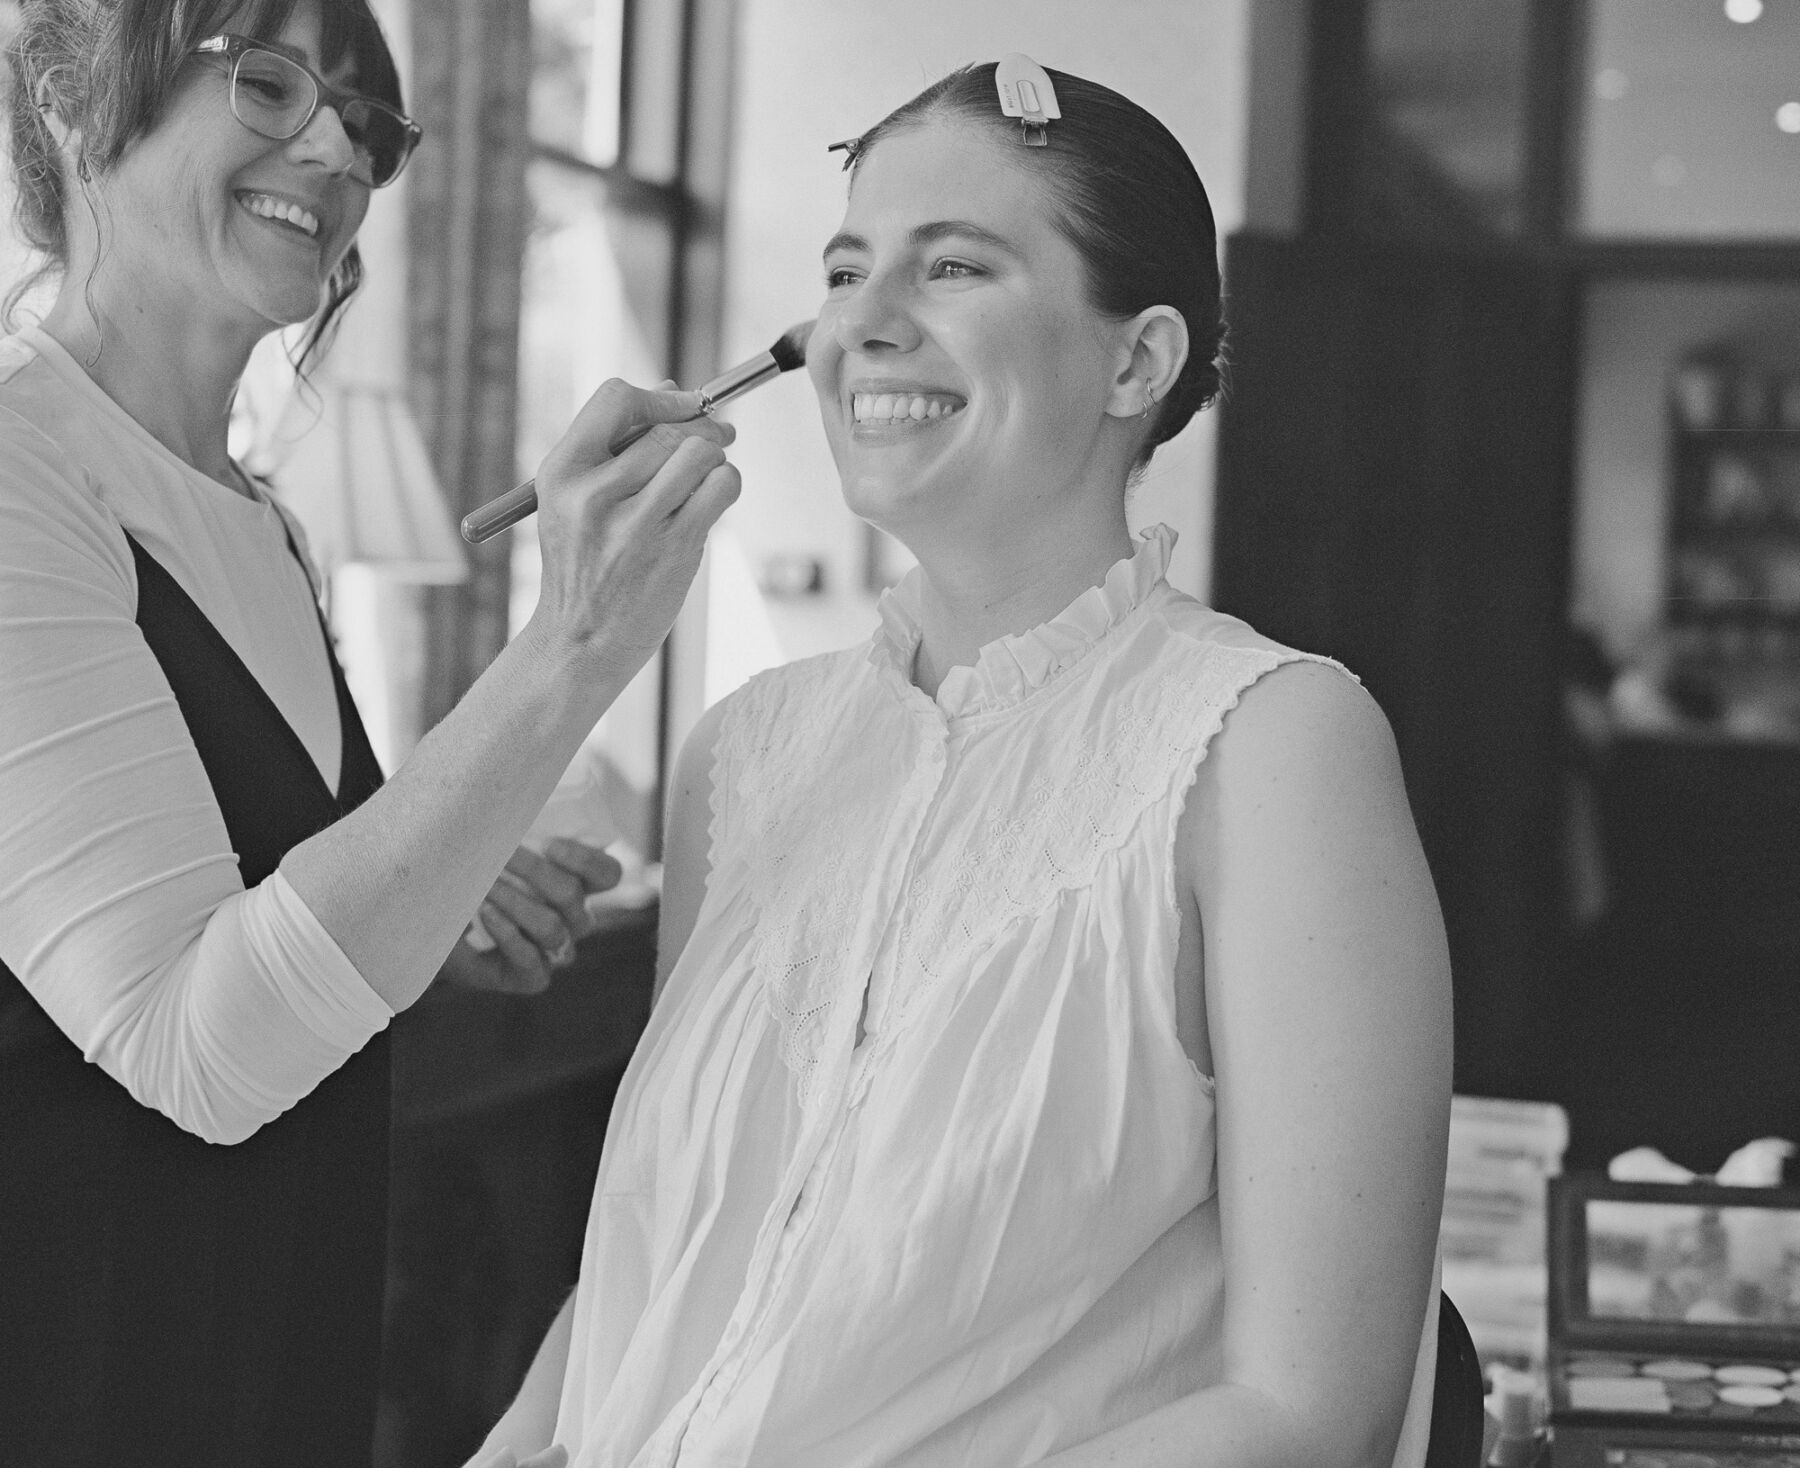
x,y
1052,1063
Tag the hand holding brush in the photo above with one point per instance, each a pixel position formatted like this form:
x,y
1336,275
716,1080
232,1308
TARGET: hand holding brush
x,y
788,352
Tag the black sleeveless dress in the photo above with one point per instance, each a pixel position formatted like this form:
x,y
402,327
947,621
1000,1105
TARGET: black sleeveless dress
x,y
164,1300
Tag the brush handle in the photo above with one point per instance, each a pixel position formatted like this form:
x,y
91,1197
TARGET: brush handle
x,y
513,506
500,514
508,509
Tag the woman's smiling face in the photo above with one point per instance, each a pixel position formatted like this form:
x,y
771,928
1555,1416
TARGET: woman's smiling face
x,y
204,214
962,375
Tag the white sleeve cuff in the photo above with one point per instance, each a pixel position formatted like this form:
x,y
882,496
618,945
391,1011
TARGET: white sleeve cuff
x,y
323,986
246,1020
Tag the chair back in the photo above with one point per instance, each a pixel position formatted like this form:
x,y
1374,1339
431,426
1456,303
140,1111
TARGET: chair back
x,y
1456,1411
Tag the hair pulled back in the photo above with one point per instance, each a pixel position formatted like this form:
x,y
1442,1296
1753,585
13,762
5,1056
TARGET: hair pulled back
x,y
108,68
1127,198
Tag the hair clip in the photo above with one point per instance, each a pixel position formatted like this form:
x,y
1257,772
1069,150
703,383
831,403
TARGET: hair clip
x,y
852,148
1026,93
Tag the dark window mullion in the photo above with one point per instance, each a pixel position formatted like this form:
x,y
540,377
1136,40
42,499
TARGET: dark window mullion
x,y
628,30
1557,47
1337,111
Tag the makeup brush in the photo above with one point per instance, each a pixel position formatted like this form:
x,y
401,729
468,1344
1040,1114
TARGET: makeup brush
x,y
788,353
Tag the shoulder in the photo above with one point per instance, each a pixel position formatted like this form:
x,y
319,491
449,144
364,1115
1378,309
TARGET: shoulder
x,y
1233,685
53,527
1302,794
44,429
1303,735
1304,708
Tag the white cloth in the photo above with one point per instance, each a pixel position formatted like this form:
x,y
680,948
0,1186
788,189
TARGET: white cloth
x,y
121,906
990,1230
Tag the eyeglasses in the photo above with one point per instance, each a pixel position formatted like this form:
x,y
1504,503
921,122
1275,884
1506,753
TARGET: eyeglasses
x,y
276,96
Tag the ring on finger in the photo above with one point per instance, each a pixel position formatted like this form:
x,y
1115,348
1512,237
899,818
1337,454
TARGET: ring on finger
x,y
564,952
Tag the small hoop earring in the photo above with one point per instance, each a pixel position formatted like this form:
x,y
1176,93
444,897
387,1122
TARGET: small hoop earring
x,y
1149,402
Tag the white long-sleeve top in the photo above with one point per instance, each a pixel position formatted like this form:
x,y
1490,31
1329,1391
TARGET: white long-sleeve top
x,y
121,907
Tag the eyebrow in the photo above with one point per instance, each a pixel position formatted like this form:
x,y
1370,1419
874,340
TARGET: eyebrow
x,y
346,85
926,234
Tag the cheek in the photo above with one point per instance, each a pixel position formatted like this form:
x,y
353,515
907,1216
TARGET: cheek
x,y
822,358
1030,345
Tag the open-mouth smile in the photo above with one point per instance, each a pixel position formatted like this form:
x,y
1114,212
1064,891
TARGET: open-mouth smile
x,y
282,212
896,409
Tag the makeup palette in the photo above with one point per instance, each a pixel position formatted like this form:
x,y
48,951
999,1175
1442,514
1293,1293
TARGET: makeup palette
x,y
1674,1325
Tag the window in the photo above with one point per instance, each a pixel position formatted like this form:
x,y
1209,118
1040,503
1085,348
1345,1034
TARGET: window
x,y
607,285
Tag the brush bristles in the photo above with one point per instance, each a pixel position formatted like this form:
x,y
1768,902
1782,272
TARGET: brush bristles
x,y
790,351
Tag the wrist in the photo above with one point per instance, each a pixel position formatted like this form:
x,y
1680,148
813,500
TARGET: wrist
x,y
585,671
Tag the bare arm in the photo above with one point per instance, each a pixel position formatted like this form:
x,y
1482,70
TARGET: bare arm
x,y
395,882
1328,1009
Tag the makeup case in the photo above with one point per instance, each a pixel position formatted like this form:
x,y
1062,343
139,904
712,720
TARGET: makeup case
x,y
1674,1325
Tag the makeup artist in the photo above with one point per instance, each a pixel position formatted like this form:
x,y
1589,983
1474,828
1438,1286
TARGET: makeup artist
x,y
209,911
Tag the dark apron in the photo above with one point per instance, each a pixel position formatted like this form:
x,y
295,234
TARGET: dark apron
x,y
164,1300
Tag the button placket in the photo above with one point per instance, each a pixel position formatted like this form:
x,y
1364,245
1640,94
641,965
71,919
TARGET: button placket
x,y
823,1132
931,776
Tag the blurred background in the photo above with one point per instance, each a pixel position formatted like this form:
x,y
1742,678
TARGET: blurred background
x,y
1513,429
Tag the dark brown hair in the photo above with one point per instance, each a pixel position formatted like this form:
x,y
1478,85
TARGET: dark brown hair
x,y
1128,199
108,69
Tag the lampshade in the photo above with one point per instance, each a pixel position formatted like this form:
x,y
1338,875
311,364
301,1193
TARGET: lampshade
x,y
348,459
342,448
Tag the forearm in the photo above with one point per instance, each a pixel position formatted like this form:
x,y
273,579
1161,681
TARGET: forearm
x,y
1224,1426
529,1423
395,882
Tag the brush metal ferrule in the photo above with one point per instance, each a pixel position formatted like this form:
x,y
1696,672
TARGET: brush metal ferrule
x,y
739,379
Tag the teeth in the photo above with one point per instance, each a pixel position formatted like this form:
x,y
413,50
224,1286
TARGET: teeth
x,y
890,407
272,208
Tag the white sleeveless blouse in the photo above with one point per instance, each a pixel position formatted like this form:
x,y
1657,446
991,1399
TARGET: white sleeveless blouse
x,y
990,1230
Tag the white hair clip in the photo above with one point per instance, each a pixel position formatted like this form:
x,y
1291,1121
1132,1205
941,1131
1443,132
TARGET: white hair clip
x,y
1027,94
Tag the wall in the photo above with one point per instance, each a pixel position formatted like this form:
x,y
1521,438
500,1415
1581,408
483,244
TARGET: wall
x,y
813,71
1634,333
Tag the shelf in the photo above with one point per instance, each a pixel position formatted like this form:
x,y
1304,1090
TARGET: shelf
x,y
1739,438
1695,529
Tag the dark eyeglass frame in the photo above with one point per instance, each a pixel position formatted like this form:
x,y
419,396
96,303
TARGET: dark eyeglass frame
x,y
234,48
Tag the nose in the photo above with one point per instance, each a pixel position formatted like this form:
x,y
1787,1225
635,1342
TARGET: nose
x,y
876,317
324,141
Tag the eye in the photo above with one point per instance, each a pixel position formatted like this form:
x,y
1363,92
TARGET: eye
x,y
955,270
840,275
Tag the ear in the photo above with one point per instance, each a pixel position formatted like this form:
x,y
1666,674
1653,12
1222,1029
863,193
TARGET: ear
x,y
1154,347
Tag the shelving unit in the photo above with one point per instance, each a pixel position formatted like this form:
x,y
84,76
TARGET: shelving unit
x,y
1733,601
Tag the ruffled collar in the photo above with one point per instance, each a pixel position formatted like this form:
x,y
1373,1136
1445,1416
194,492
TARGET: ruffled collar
x,y
1009,669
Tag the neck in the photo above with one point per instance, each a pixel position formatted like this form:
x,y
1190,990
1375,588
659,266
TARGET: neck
x,y
175,375
984,588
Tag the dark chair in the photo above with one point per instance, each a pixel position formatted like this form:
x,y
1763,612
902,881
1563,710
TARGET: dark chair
x,y
1456,1416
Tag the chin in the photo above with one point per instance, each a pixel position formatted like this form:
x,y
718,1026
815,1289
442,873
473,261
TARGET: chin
x,y
292,308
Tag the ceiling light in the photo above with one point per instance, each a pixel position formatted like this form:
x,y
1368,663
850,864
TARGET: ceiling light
x,y
1743,11
1787,117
